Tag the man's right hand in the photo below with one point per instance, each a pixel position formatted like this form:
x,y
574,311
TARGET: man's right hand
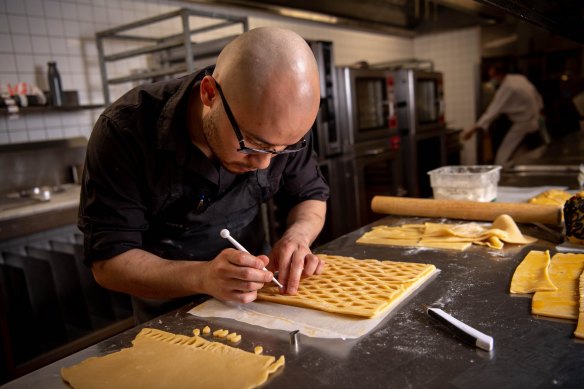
x,y
236,276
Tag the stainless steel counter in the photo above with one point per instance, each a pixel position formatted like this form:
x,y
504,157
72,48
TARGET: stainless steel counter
x,y
554,164
29,215
408,349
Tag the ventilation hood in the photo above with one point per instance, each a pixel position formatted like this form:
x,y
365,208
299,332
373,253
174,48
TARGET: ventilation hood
x,y
416,17
398,17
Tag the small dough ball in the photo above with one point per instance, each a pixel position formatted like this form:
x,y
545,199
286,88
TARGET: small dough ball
x,y
206,330
258,350
196,332
220,333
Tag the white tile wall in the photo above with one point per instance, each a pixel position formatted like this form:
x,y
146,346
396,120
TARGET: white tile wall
x,y
457,55
33,32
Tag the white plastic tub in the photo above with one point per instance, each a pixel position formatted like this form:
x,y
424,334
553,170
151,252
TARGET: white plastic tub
x,y
473,182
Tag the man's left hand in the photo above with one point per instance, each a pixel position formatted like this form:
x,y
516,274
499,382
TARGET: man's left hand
x,y
293,259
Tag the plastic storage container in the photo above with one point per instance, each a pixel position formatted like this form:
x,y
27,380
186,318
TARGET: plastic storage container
x,y
473,183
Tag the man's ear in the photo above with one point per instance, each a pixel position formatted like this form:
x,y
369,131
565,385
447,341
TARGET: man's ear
x,y
207,90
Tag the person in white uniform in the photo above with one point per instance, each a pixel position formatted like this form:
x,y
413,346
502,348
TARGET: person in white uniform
x,y
520,101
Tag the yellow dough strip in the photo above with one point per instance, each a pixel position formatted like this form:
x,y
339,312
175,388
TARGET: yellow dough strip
x,y
579,333
564,272
532,274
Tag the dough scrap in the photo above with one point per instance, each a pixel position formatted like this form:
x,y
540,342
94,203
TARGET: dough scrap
x,y
356,287
160,359
532,274
552,196
579,333
220,333
564,271
449,236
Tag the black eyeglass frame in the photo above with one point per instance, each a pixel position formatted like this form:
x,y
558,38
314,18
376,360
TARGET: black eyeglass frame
x,y
250,150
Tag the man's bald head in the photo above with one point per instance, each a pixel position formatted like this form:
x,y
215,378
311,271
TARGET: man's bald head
x,y
271,74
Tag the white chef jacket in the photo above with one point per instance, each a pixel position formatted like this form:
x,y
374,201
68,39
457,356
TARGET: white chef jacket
x,y
520,101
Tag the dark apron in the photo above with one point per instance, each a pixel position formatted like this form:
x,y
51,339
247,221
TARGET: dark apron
x,y
189,230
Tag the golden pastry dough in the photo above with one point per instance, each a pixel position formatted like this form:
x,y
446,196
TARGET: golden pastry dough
x,y
579,333
564,271
220,333
448,236
160,359
354,287
532,274
552,196
235,339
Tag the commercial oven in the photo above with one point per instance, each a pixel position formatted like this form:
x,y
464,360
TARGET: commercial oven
x,y
369,169
366,105
419,107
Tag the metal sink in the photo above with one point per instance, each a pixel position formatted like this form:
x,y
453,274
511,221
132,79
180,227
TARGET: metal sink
x,y
541,170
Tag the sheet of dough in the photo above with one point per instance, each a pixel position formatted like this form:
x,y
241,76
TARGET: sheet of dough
x,y
564,271
579,333
359,287
552,196
532,274
449,236
159,359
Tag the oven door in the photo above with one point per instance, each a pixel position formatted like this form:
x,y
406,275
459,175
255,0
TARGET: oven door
x,y
375,171
363,104
419,101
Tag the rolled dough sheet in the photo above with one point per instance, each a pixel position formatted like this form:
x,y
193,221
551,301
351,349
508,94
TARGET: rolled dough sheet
x,y
564,271
310,322
159,359
532,274
448,236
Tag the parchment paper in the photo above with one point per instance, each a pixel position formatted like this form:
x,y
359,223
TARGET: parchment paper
x,y
310,322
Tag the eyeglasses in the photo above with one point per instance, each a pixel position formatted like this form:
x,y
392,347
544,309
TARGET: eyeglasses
x,y
250,150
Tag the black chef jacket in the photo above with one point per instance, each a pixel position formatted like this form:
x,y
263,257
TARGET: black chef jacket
x,y
145,185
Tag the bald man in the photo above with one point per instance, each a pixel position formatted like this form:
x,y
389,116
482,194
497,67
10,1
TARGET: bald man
x,y
170,164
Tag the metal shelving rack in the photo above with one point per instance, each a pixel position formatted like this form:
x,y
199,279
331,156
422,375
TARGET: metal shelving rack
x,y
176,52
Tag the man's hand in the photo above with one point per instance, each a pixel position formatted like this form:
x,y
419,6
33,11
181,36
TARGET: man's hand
x,y
292,257
468,133
235,276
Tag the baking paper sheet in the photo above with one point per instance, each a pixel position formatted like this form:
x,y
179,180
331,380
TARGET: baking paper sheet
x,y
309,322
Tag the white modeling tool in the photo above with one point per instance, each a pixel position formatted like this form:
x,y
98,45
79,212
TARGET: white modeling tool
x,y
464,331
226,235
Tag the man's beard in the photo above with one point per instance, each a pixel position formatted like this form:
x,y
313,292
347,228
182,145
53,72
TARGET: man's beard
x,y
211,134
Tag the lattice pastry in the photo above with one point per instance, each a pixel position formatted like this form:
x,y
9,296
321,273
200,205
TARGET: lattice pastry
x,y
351,286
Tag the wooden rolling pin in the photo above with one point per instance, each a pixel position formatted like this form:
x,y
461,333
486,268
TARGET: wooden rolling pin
x,y
467,210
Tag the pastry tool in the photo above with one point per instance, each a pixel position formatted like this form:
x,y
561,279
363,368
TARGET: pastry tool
x,y
467,210
463,331
225,234
294,339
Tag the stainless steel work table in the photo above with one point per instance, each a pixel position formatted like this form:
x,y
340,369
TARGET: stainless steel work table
x,y
408,349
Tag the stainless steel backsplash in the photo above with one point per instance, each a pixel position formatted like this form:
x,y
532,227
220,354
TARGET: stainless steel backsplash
x,y
45,163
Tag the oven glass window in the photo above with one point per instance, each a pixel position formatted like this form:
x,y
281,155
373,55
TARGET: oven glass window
x,y
372,107
427,101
